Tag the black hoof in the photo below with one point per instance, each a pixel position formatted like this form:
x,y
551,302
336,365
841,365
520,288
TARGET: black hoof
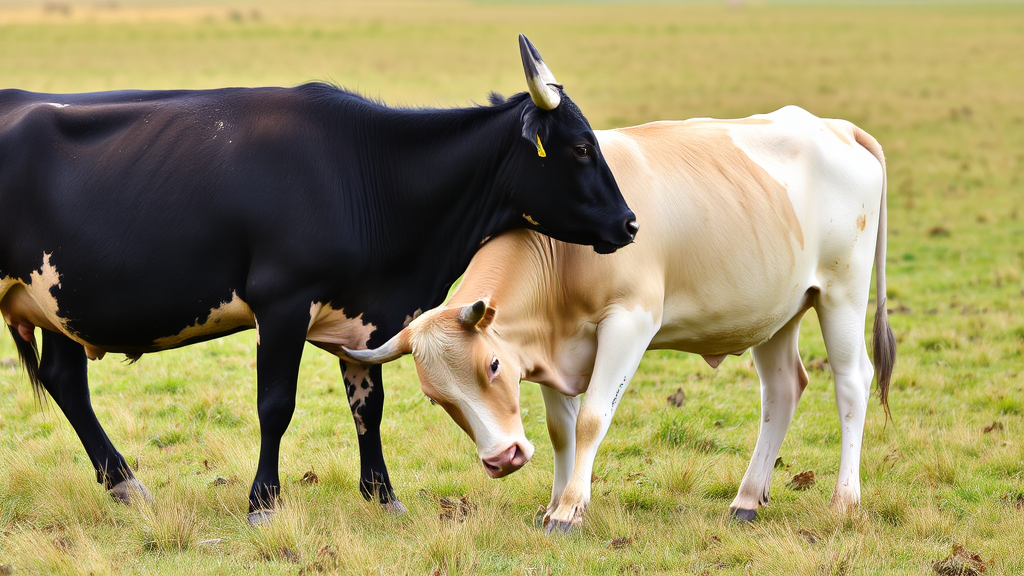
x,y
744,515
129,491
559,526
260,517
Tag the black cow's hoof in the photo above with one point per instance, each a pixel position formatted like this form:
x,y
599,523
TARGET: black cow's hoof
x,y
559,526
744,515
394,507
130,491
260,517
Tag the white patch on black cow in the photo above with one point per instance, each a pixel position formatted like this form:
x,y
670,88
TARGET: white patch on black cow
x,y
409,319
226,317
26,305
331,329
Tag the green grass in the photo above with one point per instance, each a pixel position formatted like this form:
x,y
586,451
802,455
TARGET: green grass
x,y
942,88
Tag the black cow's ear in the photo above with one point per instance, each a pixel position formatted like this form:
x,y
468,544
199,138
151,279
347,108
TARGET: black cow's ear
x,y
495,99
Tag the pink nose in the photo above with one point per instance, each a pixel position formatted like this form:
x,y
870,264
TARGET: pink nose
x,y
505,463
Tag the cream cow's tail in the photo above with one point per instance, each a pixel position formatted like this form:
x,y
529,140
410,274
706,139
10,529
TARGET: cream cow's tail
x,y
884,343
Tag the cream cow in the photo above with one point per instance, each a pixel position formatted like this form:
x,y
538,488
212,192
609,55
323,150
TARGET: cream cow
x,y
747,225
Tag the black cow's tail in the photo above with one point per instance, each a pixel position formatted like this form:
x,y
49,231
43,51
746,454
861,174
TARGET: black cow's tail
x,y
28,352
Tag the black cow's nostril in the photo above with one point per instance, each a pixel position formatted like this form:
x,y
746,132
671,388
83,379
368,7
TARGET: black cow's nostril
x,y
632,227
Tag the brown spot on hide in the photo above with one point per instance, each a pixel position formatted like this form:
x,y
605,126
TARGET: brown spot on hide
x,y
845,139
740,194
862,221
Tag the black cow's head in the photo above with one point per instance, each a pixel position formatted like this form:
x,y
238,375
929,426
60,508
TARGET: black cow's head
x,y
560,182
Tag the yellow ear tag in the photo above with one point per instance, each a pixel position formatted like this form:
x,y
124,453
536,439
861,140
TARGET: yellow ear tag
x,y
540,148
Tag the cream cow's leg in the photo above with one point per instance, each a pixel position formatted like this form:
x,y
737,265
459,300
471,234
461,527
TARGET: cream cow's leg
x,y
622,338
783,380
562,411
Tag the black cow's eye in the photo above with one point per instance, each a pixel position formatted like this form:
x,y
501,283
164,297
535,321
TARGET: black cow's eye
x,y
494,366
581,150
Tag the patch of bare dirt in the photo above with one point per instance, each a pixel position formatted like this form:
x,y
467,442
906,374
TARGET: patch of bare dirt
x,y
620,542
455,509
993,427
961,562
808,535
802,481
677,399
818,365
222,481
326,561
1016,500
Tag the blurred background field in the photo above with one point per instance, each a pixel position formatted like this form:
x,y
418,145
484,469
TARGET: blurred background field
x,y
940,86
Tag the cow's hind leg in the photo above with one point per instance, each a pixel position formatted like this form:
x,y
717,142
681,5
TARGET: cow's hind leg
x,y
364,385
842,327
63,372
783,380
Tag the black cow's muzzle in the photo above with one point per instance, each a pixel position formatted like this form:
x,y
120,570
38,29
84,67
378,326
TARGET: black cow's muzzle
x,y
625,236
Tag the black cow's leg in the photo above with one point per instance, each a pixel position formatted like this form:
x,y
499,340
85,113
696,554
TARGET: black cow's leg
x,y
64,374
280,338
366,398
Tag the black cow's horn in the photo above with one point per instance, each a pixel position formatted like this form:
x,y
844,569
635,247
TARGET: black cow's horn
x,y
543,87
393,349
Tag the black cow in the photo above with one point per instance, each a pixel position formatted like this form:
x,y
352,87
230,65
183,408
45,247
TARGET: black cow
x,y
138,221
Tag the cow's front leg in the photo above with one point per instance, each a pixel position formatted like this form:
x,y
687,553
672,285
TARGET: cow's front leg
x,y
366,398
281,334
561,411
622,338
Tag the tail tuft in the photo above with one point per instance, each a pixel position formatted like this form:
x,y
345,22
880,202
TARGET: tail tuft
x,y
28,353
884,356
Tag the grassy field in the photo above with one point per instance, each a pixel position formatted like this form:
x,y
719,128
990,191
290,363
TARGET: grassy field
x,y
941,88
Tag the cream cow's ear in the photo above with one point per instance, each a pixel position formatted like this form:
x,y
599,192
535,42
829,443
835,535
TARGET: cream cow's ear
x,y
477,315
